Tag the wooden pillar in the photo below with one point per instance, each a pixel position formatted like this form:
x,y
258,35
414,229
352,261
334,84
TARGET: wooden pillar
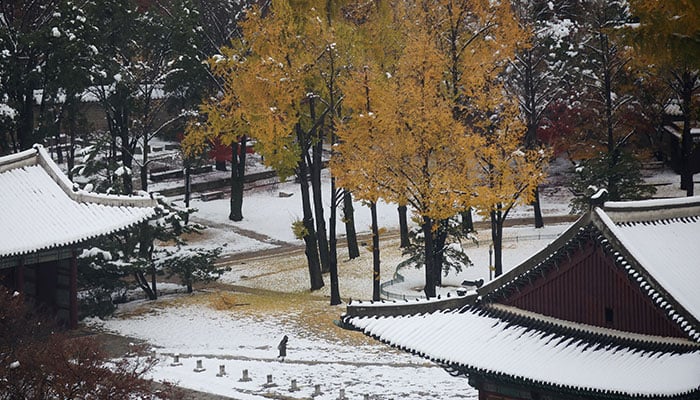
x,y
19,276
73,321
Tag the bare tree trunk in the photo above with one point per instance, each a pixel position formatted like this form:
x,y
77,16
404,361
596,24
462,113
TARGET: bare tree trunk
x,y
497,239
144,164
126,156
532,122
403,226
316,166
376,278
145,252
539,220
188,188
70,154
315,274
350,232
333,247
429,288
238,155
687,85
59,152
154,286
25,127
188,185
438,253
143,284
467,221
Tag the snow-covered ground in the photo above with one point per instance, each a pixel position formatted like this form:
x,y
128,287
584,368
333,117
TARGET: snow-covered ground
x,y
238,323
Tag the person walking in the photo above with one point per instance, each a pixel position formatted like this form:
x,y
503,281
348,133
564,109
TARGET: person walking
x,y
282,347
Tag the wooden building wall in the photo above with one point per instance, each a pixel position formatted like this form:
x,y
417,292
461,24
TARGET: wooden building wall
x,y
495,389
50,281
589,288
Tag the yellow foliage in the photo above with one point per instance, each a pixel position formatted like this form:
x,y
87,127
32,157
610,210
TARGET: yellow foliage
x,y
668,33
418,98
508,173
299,229
403,144
408,140
266,78
222,301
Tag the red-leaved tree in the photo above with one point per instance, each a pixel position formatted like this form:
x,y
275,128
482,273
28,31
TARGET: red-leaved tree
x,y
40,361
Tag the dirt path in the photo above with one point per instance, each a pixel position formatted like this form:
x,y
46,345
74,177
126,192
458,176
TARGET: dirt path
x,y
287,249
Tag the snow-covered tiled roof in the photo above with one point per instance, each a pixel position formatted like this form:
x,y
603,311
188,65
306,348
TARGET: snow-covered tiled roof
x,y
655,241
40,209
673,108
472,340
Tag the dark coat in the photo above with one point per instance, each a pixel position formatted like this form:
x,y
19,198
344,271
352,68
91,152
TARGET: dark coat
x,y
282,347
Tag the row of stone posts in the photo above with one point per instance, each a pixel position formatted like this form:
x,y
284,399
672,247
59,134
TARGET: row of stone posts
x,y
245,377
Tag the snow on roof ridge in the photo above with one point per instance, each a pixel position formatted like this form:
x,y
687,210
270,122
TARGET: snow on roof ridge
x,y
18,160
537,260
682,312
592,329
409,307
651,202
653,209
382,302
81,196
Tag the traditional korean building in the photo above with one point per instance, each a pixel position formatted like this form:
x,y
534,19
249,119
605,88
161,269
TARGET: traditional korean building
x,y
44,220
671,138
609,310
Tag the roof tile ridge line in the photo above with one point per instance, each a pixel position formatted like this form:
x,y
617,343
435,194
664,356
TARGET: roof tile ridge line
x,y
587,333
535,261
651,204
685,219
45,161
611,232
18,160
408,308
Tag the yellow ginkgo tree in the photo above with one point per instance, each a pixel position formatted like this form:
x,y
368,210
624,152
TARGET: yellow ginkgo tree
x,y
221,121
402,143
478,38
508,171
267,83
429,126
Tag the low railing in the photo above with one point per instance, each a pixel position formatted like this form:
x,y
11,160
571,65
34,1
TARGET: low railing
x,y
516,239
387,295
